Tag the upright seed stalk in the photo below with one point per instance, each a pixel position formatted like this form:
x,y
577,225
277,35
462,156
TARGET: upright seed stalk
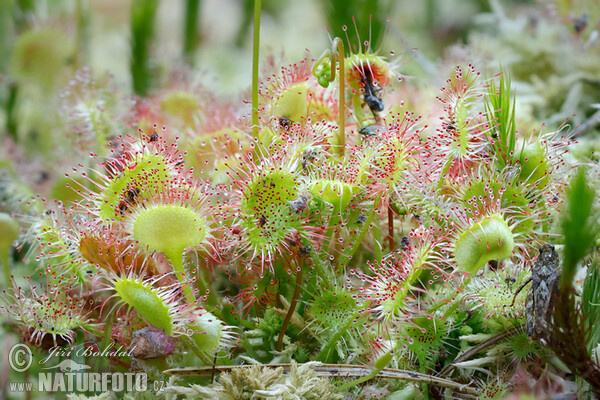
x,y
255,44
143,15
190,32
342,99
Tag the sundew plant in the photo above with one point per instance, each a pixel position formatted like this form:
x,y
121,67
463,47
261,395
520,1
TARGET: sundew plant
x,y
358,223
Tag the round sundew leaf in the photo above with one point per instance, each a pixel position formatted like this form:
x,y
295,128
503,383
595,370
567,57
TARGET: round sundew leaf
x,y
534,164
337,193
181,104
42,56
426,337
489,239
269,217
210,330
140,180
146,301
206,150
169,229
333,308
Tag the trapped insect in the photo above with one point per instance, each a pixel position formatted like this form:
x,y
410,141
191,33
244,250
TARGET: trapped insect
x,y
299,204
309,155
371,130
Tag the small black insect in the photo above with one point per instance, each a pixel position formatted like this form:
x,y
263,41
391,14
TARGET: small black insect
x,y
304,250
285,123
450,127
580,23
510,280
299,204
129,199
362,218
263,220
374,103
153,137
404,242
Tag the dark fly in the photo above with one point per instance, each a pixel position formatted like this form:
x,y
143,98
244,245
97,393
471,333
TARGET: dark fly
x,y
374,103
371,130
580,23
284,123
263,220
361,219
304,250
130,198
404,243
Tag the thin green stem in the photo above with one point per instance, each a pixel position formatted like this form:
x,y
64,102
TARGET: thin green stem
x,y
391,227
143,15
327,278
377,245
255,52
81,36
108,323
358,240
324,354
337,53
177,261
203,357
342,100
11,117
380,364
333,222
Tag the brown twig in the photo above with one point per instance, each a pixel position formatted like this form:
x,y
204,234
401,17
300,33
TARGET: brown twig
x,y
290,312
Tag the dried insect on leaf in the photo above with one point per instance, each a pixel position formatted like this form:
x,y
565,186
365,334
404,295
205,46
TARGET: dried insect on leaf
x,y
544,287
361,219
309,155
299,204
